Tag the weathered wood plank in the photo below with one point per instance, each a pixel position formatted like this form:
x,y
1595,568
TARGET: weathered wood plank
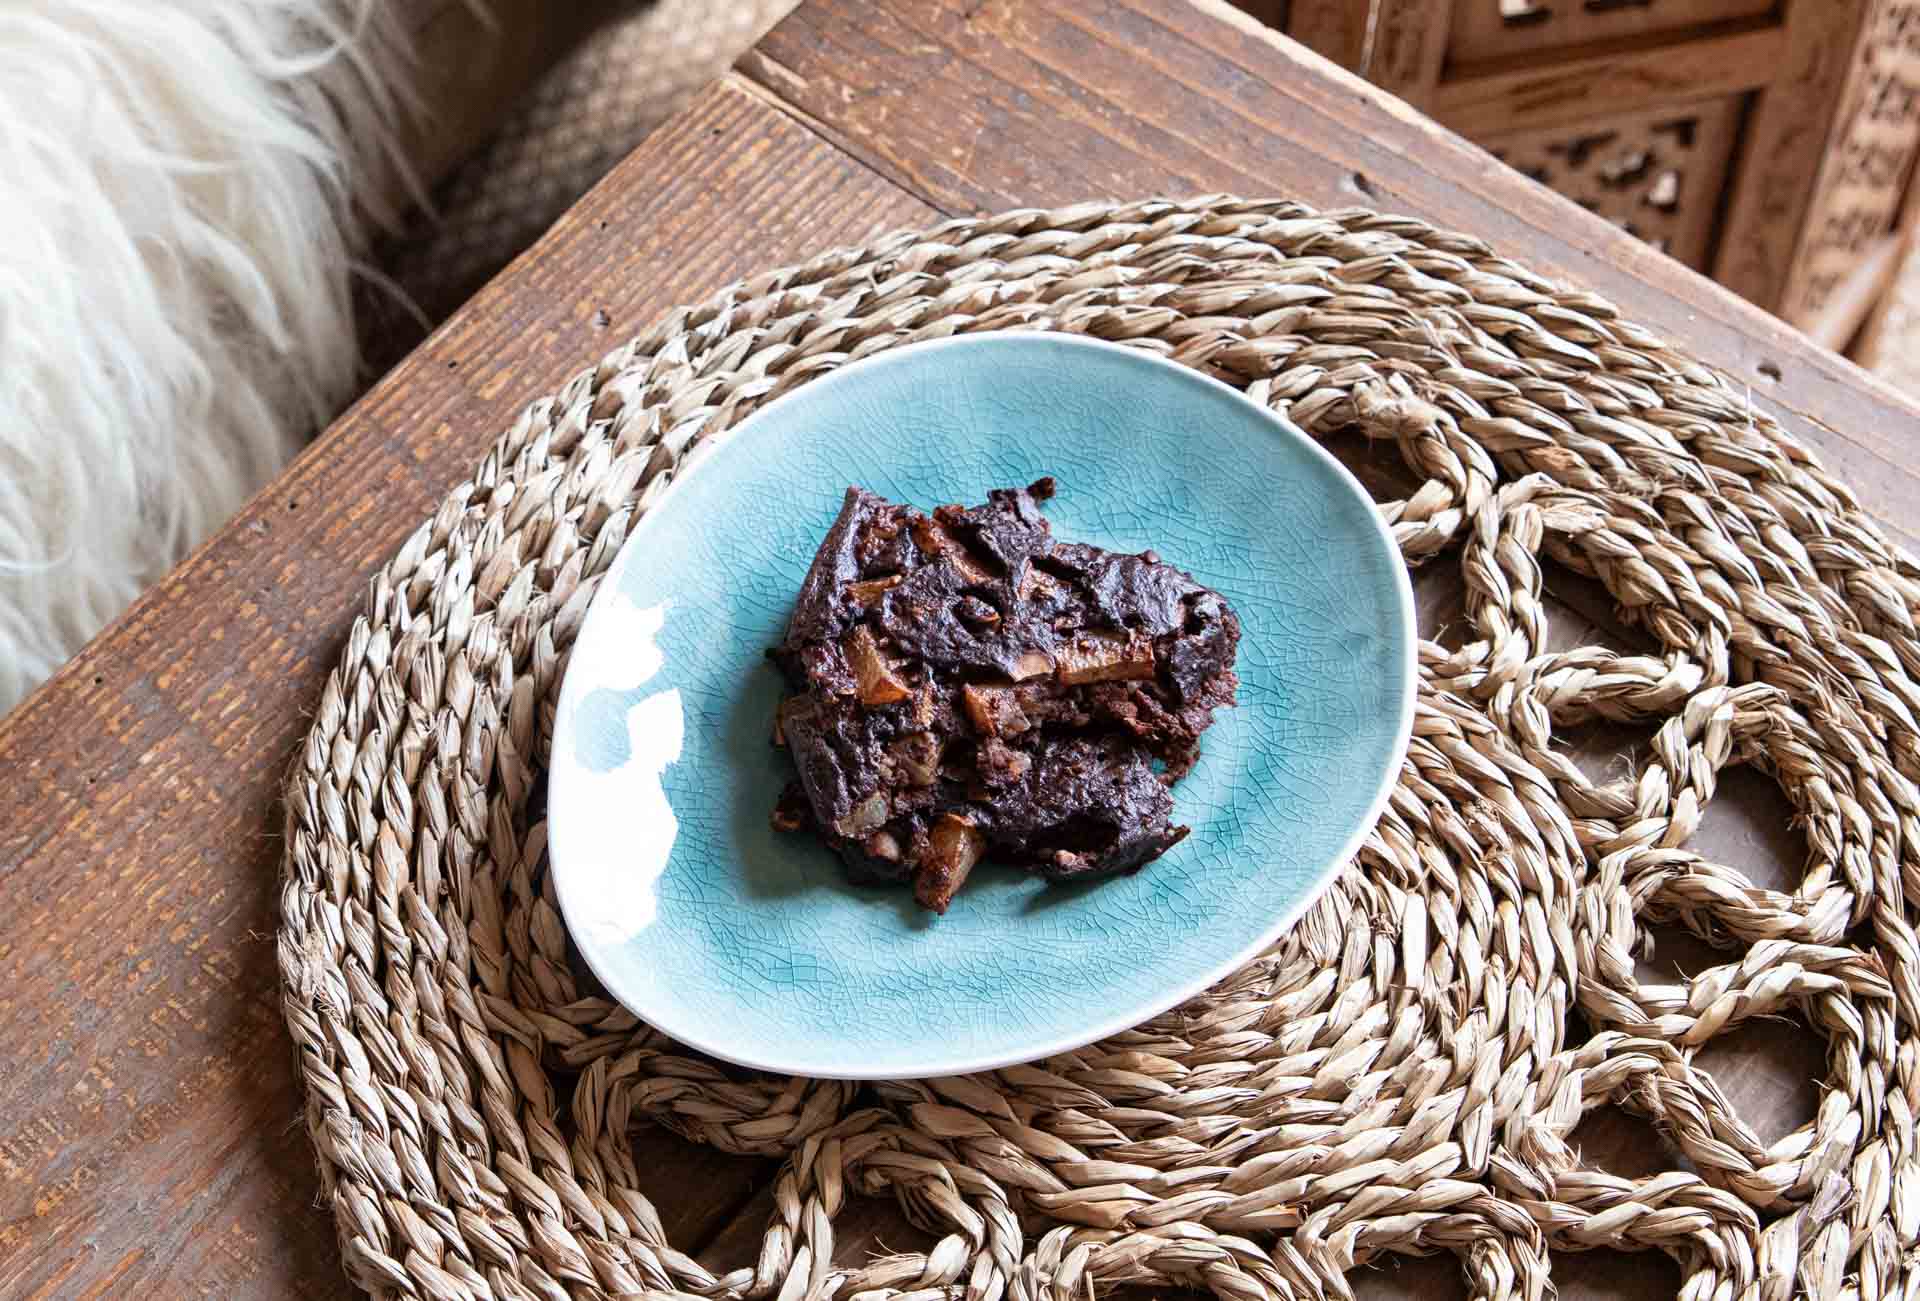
x,y
150,1134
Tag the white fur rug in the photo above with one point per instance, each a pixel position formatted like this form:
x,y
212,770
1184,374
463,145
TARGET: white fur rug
x,y
187,186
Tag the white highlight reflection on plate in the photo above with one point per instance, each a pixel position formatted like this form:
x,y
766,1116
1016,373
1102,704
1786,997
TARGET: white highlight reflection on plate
x,y
620,827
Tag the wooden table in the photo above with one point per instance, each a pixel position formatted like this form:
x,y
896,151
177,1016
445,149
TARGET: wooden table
x,y
150,1138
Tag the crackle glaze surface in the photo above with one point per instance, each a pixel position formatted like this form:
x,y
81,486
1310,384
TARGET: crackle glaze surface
x,y
751,945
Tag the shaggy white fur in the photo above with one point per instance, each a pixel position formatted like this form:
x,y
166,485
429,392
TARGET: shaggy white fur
x,y
186,186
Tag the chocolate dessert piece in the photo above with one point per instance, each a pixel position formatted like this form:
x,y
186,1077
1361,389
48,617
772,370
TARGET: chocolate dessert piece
x,y
967,687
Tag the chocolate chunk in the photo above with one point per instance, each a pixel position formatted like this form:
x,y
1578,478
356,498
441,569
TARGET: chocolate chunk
x,y
966,687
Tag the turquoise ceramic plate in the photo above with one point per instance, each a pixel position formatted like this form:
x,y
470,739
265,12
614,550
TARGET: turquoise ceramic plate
x,y
749,944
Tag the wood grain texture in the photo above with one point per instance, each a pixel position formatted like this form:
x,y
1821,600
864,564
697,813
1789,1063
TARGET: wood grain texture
x,y
1581,89
977,106
150,1139
149,1118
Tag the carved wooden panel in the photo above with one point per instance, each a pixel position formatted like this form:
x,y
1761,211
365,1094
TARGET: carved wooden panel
x,y
1870,153
1785,140
1491,29
1818,101
1656,172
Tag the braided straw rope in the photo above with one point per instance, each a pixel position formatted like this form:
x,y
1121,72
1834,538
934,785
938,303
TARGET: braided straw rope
x,y
1395,1075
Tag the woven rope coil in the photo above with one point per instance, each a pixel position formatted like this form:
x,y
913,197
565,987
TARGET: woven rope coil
x,y
1394,1076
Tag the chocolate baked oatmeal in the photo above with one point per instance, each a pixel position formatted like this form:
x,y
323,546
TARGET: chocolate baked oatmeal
x,y
965,686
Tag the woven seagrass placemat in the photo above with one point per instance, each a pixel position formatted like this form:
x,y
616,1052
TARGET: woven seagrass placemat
x,y
1397,1075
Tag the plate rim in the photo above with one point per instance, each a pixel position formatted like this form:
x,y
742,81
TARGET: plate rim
x,y
1101,1028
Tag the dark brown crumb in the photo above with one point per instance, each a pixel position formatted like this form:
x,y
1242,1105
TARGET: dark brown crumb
x,y
966,687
